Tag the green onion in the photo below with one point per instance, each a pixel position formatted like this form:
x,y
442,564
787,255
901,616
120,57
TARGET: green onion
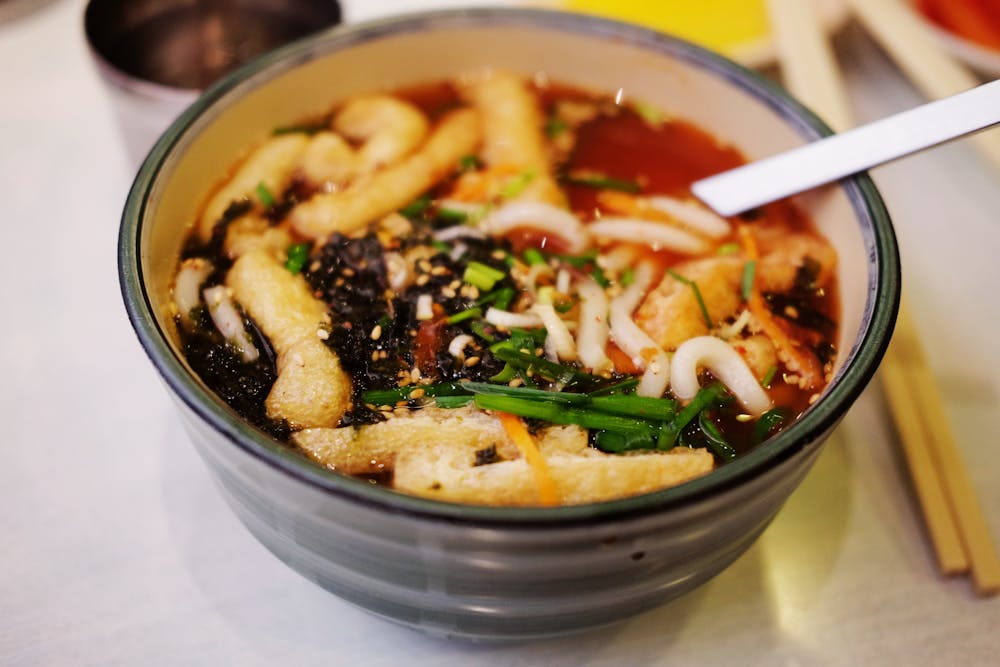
x,y
706,397
728,249
603,182
697,295
516,185
617,388
467,314
478,327
649,113
449,402
769,377
642,407
616,442
769,422
394,396
440,246
627,277
566,397
416,208
598,275
579,261
560,414
297,256
716,441
506,374
521,407
500,298
554,127
746,281
482,276
264,195
533,256
451,216
564,305
469,162
548,369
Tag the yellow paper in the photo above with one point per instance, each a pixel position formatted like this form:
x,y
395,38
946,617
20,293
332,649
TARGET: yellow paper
x,y
720,25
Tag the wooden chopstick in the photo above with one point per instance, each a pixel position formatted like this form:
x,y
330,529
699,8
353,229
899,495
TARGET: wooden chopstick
x,y
916,51
954,520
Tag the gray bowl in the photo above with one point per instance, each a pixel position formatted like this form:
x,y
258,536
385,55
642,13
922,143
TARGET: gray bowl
x,y
489,572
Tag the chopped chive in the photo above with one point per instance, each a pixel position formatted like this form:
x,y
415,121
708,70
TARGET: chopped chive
x,y
451,216
463,315
547,369
603,182
565,397
705,397
728,249
449,402
649,113
522,407
770,422
564,305
617,388
769,377
579,261
598,275
533,256
561,414
516,185
627,277
642,407
264,195
469,162
616,442
697,295
554,127
440,246
297,256
716,441
478,327
482,276
416,208
385,321
500,298
746,281
394,396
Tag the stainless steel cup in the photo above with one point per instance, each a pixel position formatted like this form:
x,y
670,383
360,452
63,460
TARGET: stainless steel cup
x,y
156,56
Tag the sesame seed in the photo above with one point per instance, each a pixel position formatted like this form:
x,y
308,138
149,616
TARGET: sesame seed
x,y
423,279
448,293
417,393
376,332
323,334
439,271
471,361
347,271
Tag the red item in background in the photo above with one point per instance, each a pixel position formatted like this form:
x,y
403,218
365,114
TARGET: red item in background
x,y
975,20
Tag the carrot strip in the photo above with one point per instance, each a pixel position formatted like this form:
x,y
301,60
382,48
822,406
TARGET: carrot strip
x,y
802,362
518,432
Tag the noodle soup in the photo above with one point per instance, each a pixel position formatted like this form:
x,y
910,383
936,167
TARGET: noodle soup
x,y
499,291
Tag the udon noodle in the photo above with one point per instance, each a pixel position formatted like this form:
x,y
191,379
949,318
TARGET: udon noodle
x,y
498,291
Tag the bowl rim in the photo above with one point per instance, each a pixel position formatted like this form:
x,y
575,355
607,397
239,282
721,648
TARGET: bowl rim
x,y
878,319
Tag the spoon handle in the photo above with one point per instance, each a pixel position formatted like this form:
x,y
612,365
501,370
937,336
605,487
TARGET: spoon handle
x,y
834,157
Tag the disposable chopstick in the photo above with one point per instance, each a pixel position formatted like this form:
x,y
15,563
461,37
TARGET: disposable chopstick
x,y
926,398
916,439
916,51
808,67
954,521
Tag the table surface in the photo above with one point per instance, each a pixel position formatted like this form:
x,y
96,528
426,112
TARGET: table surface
x,y
117,549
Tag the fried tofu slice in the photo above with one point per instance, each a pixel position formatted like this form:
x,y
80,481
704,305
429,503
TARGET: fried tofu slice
x,y
671,314
312,388
389,189
465,456
513,132
273,164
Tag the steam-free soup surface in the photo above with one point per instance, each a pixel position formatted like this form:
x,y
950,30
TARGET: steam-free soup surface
x,y
493,291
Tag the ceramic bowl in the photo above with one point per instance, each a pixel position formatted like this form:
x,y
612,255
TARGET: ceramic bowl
x,y
489,572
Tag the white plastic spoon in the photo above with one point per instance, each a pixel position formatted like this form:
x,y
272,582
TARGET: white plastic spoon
x,y
826,160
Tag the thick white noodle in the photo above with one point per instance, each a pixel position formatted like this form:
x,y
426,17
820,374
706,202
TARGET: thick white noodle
x,y
459,232
229,322
425,307
187,287
559,343
725,363
509,320
536,215
658,235
456,347
593,331
635,342
692,215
